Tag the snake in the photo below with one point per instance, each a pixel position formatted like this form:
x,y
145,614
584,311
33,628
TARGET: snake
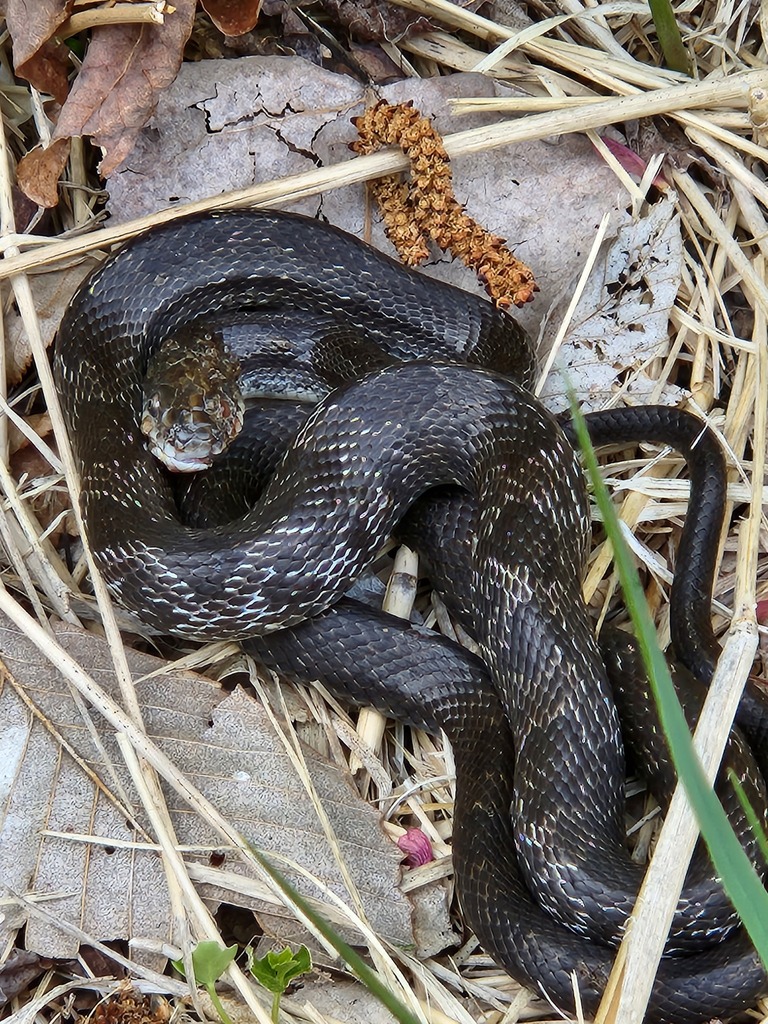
x,y
539,853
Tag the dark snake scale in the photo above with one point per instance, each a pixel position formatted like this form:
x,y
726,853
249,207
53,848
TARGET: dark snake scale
x,y
541,866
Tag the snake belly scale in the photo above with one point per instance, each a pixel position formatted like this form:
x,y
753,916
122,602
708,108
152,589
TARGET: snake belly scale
x,y
363,456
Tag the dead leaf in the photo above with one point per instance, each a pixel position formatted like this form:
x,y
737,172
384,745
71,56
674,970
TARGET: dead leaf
x,y
376,21
662,135
38,172
17,972
124,71
53,290
25,211
40,423
38,57
226,746
343,999
622,319
378,66
233,19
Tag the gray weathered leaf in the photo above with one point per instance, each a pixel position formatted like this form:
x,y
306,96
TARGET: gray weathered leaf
x,y
622,320
226,746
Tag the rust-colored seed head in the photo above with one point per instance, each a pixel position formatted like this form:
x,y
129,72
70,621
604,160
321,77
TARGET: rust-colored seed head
x,y
423,207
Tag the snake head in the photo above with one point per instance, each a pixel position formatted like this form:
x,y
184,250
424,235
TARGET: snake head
x,y
193,407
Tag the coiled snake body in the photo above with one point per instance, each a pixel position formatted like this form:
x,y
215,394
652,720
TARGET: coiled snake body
x,y
362,457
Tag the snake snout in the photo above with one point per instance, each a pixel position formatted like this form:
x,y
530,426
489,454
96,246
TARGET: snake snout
x,y
193,405
184,440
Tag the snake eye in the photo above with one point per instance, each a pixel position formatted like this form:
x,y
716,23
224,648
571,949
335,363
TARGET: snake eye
x,y
152,405
150,415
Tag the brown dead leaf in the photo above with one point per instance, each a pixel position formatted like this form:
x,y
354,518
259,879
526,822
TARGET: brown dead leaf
x,y
19,970
233,18
377,65
123,73
24,211
38,57
376,21
53,291
39,422
38,172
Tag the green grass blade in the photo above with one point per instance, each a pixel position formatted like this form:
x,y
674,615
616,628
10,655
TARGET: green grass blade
x,y
754,821
668,33
740,880
353,960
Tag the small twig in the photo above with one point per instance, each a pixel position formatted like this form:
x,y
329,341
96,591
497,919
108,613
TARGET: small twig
x,y
121,14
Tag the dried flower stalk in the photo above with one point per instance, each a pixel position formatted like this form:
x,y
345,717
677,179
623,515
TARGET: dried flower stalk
x,y
424,207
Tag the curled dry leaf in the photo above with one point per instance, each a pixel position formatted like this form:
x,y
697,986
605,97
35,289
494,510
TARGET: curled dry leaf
x,y
38,172
233,18
124,71
37,55
19,969
116,92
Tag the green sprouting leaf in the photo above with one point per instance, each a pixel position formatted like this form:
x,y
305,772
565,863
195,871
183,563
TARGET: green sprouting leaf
x,y
209,961
276,971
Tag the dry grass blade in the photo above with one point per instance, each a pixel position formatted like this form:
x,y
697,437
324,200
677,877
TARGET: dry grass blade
x,y
121,14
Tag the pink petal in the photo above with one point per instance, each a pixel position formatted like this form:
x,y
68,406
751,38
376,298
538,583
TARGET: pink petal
x,y
416,846
631,162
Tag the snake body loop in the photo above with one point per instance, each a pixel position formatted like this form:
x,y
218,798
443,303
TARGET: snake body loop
x,y
361,458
